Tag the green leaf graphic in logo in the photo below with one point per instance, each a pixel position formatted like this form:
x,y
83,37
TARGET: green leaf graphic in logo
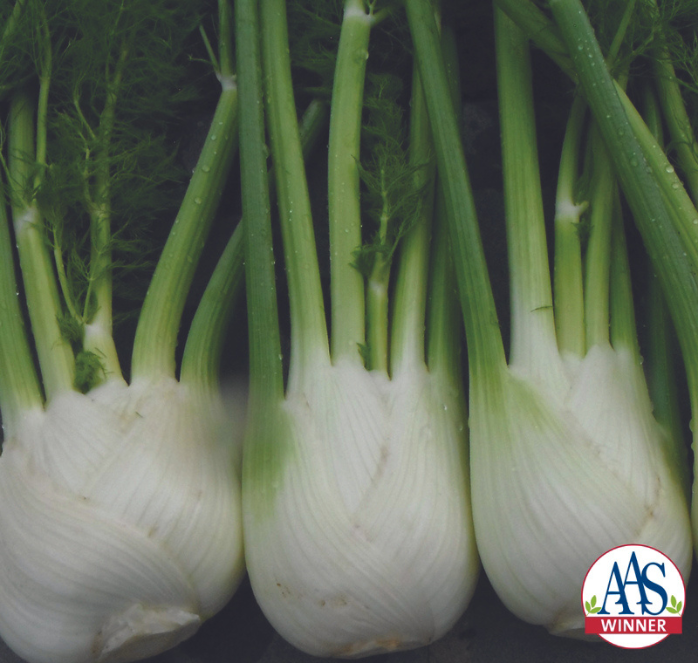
x,y
592,608
675,606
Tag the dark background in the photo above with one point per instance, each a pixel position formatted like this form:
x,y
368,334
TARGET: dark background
x,y
487,631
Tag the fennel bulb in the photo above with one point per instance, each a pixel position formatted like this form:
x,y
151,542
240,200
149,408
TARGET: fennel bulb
x,y
663,210
357,523
364,544
120,515
564,471
120,525
567,460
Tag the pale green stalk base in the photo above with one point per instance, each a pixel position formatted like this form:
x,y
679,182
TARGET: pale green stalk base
x,y
377,315
200,363
98,339
410,296
158,324
622,312
266,375
569,291
309,344
98,328
487,360
347,285
98,302
19,386
533,344
55,354
598,252
444,342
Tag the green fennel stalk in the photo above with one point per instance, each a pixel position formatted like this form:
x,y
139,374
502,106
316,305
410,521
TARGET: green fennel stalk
x,y
344,449
547,427
669,236
568,290
631,146
662,348
127,492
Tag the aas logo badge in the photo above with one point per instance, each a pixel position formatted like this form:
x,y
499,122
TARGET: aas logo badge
x,y
633,596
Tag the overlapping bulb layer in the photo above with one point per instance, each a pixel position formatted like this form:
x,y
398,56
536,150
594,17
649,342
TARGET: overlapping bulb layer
x,y
561,475
120,527
362,541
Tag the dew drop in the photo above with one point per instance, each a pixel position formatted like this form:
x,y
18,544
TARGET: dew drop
x,y
669,169
206,169
213,137
197,201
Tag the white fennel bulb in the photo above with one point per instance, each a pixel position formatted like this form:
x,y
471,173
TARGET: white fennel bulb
x,y
364,542
564,472
120,504
120,524
567,459
356,503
